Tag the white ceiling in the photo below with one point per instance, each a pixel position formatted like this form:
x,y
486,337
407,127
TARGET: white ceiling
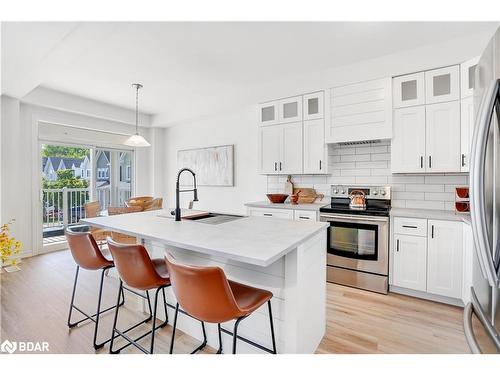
x,y
194,69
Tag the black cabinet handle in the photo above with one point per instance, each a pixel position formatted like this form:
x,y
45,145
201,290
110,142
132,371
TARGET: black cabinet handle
x,y
304,217
397,245
430,161
410,226
432,231
280,166
275,166
320,165
268,214
421,162
463,160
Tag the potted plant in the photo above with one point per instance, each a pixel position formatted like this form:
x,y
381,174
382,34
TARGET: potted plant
x,y
9,247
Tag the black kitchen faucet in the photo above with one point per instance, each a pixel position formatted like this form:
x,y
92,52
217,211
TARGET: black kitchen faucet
x,y
177,211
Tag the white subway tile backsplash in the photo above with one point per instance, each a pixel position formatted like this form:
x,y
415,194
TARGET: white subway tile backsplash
x,y
447,197
363,157
446,179
382,156
408,195
425,188
426,205
371,165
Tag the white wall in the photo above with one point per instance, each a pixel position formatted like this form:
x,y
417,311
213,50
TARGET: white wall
x,y
240,125
20,170
237,128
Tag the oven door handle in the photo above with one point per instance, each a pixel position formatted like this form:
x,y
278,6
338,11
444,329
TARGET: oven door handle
x,y
360,218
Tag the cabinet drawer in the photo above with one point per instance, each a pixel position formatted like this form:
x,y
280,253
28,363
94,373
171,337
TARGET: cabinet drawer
x,y
410,226
276,213
301,215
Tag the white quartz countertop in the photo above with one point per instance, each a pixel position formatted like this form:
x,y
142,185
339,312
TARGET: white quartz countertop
x,y
254,240
430,214
288,206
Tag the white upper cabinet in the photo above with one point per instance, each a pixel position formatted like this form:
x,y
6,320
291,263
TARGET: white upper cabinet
x,y
408,90
270,139
466,131
408,140
442,85
361,111
291,149
445,258
442,137
290,109
268,113
468,77
315,155
281,149
313,105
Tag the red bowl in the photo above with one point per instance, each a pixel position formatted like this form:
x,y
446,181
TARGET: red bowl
x,y
277,198
462,192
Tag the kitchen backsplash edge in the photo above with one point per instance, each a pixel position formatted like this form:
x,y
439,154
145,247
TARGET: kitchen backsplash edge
x,y
370,165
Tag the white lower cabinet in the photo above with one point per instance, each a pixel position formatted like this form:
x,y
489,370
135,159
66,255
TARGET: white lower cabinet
x,y
271,212
302,215
444,258
282,213
410,262
429,261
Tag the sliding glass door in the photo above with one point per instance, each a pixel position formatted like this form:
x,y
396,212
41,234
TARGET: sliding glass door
x,y
113,177
75,175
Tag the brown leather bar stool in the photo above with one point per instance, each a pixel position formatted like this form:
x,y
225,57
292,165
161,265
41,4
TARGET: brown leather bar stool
x,y
87,255
137,270
207,295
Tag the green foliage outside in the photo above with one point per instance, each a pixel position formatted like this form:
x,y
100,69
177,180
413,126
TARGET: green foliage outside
x,y
65,152
65,178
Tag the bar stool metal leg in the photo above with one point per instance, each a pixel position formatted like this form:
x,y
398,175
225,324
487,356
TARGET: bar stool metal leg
x,y
235,332
95,317
131,341
220,339
174,328
71,325
272,325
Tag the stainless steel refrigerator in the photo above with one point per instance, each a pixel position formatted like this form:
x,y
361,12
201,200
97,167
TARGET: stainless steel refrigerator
x,y
482,314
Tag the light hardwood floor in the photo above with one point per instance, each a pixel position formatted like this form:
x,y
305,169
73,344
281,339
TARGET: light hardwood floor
x,y
34,307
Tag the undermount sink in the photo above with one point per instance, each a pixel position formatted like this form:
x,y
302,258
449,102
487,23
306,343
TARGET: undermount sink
x,y
214,219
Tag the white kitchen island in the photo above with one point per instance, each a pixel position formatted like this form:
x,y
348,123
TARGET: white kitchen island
x,y
285,257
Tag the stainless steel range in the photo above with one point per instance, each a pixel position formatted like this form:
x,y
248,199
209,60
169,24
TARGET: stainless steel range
x,y
358,237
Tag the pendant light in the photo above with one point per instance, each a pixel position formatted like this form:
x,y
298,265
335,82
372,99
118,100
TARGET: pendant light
x,y
137,140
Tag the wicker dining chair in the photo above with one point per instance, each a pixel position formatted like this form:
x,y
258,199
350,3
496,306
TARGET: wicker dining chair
x,y
121,237
138,201
155,204
93,209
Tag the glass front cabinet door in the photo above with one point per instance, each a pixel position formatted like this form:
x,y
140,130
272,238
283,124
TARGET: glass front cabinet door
x,y
408,90
290,109
268,113
468,77
313,105
442,85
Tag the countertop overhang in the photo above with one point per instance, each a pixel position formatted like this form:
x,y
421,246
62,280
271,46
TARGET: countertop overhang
x,y
254,240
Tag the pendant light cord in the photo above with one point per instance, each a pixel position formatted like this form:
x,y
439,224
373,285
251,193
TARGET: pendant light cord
x,y
137,109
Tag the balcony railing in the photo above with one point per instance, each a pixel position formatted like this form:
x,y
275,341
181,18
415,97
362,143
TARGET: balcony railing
x,y
66,206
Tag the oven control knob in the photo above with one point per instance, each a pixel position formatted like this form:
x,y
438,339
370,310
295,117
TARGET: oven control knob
x,y
375,192
382,192
335,191
343,191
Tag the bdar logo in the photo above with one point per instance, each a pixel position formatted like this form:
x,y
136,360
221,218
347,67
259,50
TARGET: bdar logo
x,y
8,347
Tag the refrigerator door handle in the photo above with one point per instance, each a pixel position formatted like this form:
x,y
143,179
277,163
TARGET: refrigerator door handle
x,y
469,333
477,188
475,307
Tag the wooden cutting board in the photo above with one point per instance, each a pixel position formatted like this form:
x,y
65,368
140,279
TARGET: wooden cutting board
x,y
307,195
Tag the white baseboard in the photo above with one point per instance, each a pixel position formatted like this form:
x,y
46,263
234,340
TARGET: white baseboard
x,y
425,295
